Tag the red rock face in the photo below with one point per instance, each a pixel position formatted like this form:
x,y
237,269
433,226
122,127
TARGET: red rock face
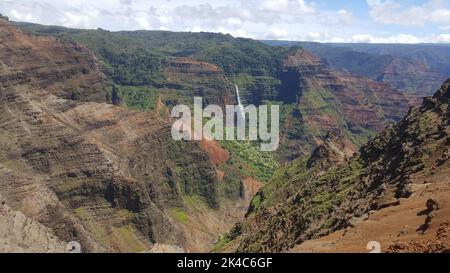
x,y
198,78
330,100
216,153
411,76
187,65
302,58
369,104
64,69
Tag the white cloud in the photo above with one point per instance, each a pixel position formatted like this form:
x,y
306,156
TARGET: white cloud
x,y
289,6
275,5
401,38
21,16
260,19
441,16
345,17
120,14
390,12
144,23
276,33
314,36
442,38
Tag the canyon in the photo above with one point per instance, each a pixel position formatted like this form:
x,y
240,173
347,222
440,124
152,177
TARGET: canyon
x,y
86,152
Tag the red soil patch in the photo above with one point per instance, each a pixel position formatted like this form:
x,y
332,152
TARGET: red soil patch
x,y
216,153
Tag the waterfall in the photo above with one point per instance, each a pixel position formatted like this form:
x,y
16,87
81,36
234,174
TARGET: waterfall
x,y
241,108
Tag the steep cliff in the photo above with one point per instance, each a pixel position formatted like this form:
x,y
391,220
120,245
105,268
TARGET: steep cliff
x,y
82,170
66,70
412,76
198,78
327,100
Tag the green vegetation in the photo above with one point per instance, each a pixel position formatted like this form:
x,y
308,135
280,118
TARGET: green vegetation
x,y
143,52
255,204
179,215
139,97
335,185
223,241
231,187
250,160
256,89
82,213
299,202
194,202
233,55
190,176
319,101
127,61
323,192
138,58
127,239
426,122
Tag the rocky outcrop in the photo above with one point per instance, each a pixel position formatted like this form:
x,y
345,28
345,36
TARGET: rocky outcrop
x,y
304,62
333,149
197,78
20,234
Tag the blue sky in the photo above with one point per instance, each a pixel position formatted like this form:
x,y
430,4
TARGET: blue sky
x,y
375,21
